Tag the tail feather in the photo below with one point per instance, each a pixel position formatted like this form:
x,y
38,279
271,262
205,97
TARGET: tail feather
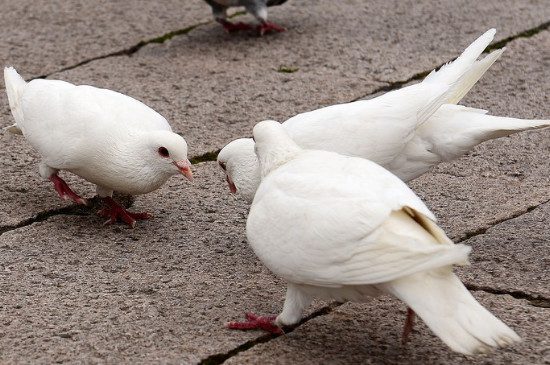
x,y
472,76
14,88
451,312
459,76
452,71
453,130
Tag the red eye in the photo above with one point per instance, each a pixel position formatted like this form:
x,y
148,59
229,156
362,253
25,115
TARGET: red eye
x,y
222,165
163,152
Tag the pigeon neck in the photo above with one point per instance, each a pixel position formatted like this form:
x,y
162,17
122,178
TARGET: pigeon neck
x,y
277,156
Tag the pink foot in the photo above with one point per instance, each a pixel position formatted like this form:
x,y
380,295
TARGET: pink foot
x,y
233,27
64,190
409,322
267,26
118,211
256,322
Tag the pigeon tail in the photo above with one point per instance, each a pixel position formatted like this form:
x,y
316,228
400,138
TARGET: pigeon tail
x,y
14,88
459,76
452,71
455,129
472,76
451,312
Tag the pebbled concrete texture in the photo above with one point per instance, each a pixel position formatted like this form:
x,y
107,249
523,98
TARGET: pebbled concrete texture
x,y
74,291
47,36
370,334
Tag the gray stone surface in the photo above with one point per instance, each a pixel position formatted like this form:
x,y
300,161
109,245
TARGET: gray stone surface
x,y
511,256
74,291
41,37
371,334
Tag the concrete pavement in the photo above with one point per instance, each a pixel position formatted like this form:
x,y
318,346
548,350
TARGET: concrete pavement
x,y
73,291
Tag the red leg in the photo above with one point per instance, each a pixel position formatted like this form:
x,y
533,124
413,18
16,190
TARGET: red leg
x,y
256,322
233,27
266,26
409,322
118,211
64,190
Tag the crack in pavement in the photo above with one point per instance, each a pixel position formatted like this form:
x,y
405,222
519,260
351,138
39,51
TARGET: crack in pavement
x,y
131,50
94,204
421,75
42,216
481,231
220,358
525,34
534,300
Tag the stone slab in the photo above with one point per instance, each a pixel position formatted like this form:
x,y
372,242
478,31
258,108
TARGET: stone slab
x,y
41,37
78,292
75,291
370,333
513,256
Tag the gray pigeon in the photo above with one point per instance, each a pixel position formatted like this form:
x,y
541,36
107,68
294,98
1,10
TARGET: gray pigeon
x,y
258,8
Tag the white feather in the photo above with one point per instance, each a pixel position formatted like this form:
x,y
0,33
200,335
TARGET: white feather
x,y
407,131
345,228
107,138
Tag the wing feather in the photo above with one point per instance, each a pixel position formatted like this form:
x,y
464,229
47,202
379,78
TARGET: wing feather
x,y
357,225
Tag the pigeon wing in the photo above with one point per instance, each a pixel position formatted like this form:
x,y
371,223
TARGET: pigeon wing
x,y
333,225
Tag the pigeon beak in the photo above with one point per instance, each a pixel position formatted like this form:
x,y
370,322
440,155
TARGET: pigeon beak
x,y
185,168
232,186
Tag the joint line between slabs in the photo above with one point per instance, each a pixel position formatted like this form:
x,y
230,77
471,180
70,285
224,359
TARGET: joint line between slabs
x,y
421,75
220,358
535,301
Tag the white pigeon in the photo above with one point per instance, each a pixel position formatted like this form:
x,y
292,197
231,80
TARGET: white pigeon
x,y
407,131
344,228
258,8
105,137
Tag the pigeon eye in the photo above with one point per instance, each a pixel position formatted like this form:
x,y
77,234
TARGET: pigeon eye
x,y
163,152
222,165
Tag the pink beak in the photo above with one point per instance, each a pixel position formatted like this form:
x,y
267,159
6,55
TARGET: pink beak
x,y
185,168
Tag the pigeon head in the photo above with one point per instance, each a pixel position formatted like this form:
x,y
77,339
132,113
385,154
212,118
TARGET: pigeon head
x,y
241,167
167,152
274,147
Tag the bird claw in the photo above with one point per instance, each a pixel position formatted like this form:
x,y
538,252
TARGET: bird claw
x,y
65,191
117,211
263,28
267,26
233,27
257,322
